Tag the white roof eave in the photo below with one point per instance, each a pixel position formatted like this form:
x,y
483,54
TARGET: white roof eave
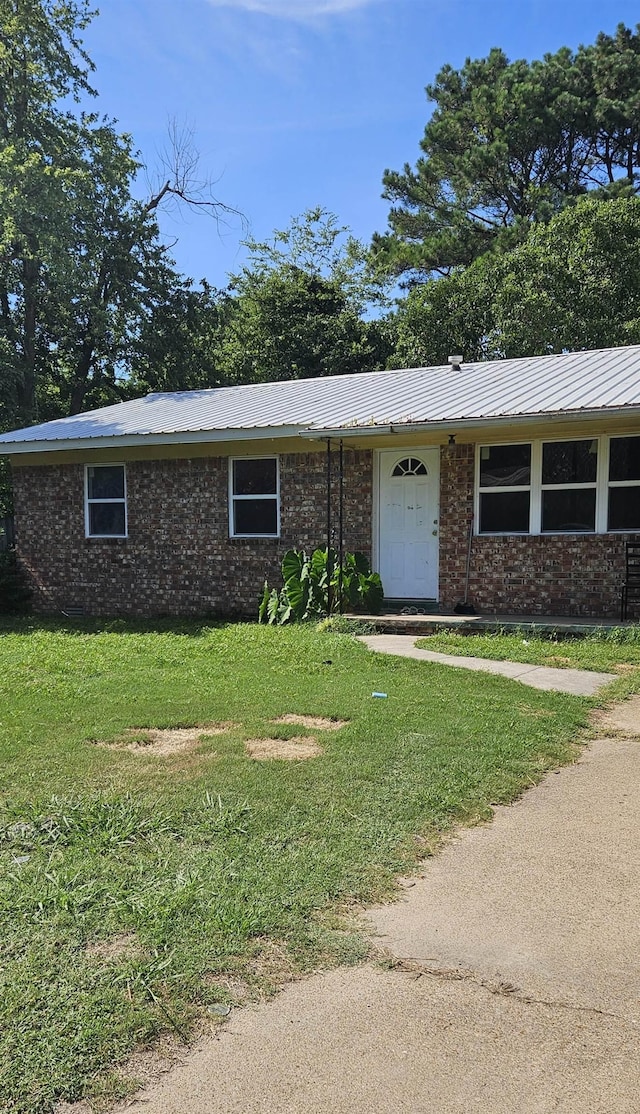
x,y
452,425
133,440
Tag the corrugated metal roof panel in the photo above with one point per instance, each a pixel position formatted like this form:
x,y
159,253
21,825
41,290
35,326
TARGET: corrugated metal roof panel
x,y
570,382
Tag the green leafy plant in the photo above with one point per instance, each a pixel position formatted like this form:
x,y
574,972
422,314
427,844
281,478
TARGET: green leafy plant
x,y
318,584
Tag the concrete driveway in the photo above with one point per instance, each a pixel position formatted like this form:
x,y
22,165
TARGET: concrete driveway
x,y
514,982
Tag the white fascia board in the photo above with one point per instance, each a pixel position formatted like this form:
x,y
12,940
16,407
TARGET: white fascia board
x,y
453,425
131,440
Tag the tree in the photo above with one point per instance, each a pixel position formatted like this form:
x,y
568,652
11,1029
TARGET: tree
x,y
573,284
178,344
82,264
298,305
510,144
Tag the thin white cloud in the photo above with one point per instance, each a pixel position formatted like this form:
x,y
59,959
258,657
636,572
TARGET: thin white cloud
x,y
302,11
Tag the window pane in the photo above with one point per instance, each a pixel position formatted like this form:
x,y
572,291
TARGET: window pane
x,y
568,510
569,462
106,482
624,462
106,518
254,477
506,512
624,508
255,516
505,465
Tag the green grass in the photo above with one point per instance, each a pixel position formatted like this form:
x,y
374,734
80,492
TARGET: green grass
x,y
211,866
608,651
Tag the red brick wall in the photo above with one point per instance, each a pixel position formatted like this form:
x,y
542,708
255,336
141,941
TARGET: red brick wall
x,y
579,574
178,558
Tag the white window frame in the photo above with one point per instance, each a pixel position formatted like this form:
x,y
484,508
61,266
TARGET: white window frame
x,y
536,487
242,498
589,485
88,502
507,489
617,483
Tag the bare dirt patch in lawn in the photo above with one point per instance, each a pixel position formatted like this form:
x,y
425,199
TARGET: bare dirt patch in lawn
x,y
295,749
621,719
123,946
165,741
72,1108
320,723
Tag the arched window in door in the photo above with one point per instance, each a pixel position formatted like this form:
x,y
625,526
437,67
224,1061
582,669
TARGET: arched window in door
x,y
410,466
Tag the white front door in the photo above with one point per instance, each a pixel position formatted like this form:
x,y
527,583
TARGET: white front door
x,y
408,486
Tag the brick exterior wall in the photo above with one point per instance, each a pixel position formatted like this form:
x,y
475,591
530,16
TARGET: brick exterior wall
x,y
178,558
576,574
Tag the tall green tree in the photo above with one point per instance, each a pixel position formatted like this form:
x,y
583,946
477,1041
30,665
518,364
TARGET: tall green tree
x,y
298,307
178,345
82,263
510,144
572,284
42,63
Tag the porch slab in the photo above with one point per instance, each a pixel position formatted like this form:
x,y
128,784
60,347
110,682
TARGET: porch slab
x,y
400,623
578,682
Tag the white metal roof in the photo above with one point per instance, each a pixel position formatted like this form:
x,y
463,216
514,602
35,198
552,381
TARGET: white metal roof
x,y
570,383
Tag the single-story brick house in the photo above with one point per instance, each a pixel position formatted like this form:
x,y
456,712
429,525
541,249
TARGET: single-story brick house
x,y
183,503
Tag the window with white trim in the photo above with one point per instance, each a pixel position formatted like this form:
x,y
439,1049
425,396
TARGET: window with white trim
x,y
585,485
623,505
505,489
569,475
105,501
254,497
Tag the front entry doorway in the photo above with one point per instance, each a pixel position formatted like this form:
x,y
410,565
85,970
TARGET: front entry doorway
x,y
408,513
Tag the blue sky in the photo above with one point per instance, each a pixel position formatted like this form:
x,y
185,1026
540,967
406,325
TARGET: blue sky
x,y
297,103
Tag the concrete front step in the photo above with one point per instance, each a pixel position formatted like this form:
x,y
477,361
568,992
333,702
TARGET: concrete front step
x,y
399,623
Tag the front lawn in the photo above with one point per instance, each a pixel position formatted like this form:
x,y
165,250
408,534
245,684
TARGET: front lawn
x,y
142,890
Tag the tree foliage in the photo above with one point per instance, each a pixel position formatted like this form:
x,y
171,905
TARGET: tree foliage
x,y
297,307
82,264
510,144
177,347
572,284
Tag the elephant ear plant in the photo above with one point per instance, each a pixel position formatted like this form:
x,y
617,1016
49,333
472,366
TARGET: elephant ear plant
x,y
316,585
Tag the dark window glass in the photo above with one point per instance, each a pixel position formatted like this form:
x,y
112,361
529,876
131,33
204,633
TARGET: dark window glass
x,y
505,512
505,465
624,508
569,462
624,459
255,516
254,477
106,518
573,510
106,482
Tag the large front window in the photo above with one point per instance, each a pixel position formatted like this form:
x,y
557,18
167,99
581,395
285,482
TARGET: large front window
x,y
105,501
569,472
624,484
505,489
254,509
587,485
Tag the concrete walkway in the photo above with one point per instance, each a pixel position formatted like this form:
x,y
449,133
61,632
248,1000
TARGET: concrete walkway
x,y
513,985
579,682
